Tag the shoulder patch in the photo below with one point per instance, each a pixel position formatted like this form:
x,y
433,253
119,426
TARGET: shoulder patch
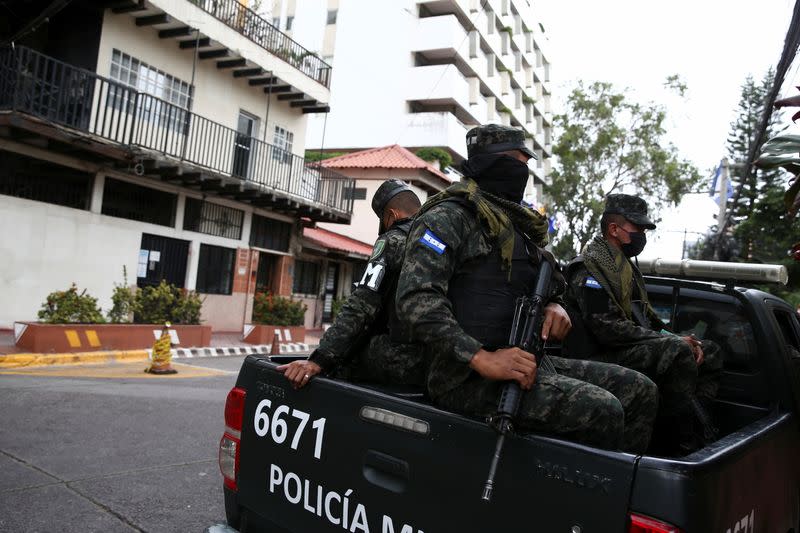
x,y
433,242
377,250
592,283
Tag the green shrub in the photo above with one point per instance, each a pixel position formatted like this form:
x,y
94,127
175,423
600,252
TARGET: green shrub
x,y
436,154
123,301
315,155
166,303
70,307
278,310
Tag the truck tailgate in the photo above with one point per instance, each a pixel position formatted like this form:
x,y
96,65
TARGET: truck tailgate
x,y
746,482
332,456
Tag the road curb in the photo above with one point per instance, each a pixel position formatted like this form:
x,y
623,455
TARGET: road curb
x,y
24,360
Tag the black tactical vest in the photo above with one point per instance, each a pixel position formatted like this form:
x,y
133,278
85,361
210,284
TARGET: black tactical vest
x,y
388,310
484,298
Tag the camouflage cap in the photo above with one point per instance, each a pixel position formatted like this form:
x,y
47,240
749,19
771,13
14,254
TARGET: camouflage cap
x,y
388,190
633,208
493,138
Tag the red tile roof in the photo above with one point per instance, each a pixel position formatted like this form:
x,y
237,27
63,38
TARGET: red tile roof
x,y
335,241
394,156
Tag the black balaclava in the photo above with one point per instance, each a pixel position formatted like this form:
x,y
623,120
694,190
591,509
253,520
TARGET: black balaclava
x,y
498,174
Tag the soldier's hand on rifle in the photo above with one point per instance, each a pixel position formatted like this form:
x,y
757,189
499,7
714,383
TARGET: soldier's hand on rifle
x,y
299,372
506,364
556,323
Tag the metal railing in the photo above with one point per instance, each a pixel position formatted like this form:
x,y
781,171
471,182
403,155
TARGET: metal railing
x,y
33,83
257,29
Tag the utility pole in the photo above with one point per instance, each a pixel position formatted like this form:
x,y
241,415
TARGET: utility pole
x,y
722,221
723,195
683,249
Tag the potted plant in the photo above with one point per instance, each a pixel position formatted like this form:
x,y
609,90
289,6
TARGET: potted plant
x,y
276,314
71,321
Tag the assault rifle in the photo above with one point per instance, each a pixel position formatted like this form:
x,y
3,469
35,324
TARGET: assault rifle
x,y
526,335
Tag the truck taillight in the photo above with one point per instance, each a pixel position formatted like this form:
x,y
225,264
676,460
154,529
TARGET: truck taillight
x,y
645,524
229,444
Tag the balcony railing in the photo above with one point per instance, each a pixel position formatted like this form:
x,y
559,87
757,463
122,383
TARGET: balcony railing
x,y
257,29
33,83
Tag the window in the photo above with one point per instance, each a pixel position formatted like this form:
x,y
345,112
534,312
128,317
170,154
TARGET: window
x,y
719,318
34,179
306,277
134,202
271,234
213,219
357,193
289,21
162,258
332,16
282,141
215,269
140,76
276,21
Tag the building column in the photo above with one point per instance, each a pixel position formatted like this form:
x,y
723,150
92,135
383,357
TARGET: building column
x,y
191,267
96,201
180,208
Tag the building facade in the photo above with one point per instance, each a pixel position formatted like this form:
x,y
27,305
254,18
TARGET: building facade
x,y
422,73
341,251
165,139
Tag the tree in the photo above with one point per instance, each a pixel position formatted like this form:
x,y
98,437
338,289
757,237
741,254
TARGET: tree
x,y
609,144
753,184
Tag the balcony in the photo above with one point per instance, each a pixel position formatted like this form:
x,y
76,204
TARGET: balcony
x,y
268,37
438,129
237,40
78,111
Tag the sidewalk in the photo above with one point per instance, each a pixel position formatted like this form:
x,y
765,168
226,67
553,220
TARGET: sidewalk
x,y
222,344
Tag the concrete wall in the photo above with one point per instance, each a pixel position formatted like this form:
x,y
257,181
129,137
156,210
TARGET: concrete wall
x,y
47,247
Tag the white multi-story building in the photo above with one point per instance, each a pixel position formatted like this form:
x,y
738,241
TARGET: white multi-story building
x,y
165,137
422,73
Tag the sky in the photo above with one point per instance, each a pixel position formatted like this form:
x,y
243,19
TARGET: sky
x,y
711,44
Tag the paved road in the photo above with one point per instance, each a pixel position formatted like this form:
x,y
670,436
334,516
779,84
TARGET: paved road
x,y
118,451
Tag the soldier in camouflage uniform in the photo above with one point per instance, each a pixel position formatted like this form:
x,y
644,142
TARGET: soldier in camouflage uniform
x,y
607,291
357,346
472,251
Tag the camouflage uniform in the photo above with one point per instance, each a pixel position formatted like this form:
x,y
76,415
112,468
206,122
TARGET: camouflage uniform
x,y
666,358
357,346
594,403
616,324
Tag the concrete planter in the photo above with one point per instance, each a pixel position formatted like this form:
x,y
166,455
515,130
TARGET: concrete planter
x,y
263,333
60,338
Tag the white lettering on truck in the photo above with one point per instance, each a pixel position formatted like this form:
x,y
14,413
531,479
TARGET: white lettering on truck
x,y
746,525
278,428
336,508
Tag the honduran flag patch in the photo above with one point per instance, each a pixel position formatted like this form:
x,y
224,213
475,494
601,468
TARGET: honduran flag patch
x,y
593,283
433,242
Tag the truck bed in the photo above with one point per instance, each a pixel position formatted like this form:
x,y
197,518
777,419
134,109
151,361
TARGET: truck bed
x,y
429,478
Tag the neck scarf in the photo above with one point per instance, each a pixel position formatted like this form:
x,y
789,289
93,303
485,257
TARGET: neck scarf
x,y
616,274
498,216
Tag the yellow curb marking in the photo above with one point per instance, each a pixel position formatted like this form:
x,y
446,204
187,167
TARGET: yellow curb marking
x,y
24,360
133,370
91,336
72,338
